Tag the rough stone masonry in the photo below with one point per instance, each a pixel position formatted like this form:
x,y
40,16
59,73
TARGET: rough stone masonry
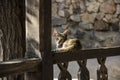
x,y
95,22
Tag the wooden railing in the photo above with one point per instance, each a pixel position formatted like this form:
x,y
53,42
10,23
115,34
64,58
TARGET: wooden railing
x,y
81,57
85,54
18,66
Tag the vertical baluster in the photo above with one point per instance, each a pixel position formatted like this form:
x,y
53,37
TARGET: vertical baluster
x,y
83,73
64,74
102,73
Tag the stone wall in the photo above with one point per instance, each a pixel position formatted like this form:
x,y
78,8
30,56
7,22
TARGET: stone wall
x,y
95,22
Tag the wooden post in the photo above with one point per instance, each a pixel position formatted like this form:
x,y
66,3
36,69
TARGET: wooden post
x,y
45,39
102,72
12,24
83,73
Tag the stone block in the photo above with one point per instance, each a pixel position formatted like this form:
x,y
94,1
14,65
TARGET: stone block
x,y
93,7
117,1
86,26
118,8
100,16
75,17
63,13
88,18
54,9
108,7
58,21
101,26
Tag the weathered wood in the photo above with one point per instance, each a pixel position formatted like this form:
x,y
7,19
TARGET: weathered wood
x,y
33,75
12,24
102,73
19,66
85,54
83,73
1,48
45,39
64,73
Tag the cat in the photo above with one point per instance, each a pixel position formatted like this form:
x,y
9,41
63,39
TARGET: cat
x,y
63,44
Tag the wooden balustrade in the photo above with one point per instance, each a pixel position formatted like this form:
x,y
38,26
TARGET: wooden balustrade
x,y
85,54
64,74
18,66
102,73
25,65
81,57
83,73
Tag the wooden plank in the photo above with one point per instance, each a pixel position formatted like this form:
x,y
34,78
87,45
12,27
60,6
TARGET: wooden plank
x,y
19,66
85,54
12,24
45,39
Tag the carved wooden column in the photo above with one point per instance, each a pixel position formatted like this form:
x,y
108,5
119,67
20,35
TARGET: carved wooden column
x,y
83,73
102,73
64,74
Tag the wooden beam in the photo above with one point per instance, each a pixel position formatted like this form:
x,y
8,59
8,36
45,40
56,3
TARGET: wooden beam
x,y
19,66
45,39
12,24
60,57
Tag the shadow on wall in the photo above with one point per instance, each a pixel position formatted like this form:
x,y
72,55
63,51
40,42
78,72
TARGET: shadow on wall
x,y
32,28
33,49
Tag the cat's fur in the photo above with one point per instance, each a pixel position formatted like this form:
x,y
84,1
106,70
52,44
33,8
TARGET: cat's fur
x,y
63,44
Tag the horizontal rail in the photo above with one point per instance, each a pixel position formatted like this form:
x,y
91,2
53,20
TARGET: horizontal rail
x,y
59,57
18,66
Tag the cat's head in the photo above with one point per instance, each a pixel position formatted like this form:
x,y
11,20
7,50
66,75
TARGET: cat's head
x,y
60,38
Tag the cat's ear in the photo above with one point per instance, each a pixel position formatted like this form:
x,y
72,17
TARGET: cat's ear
x,y
55,32
66,31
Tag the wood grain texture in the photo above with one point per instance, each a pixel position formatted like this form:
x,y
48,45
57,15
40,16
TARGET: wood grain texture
x,y
102,71
45,39
85,54
19,66
83,73
12,24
